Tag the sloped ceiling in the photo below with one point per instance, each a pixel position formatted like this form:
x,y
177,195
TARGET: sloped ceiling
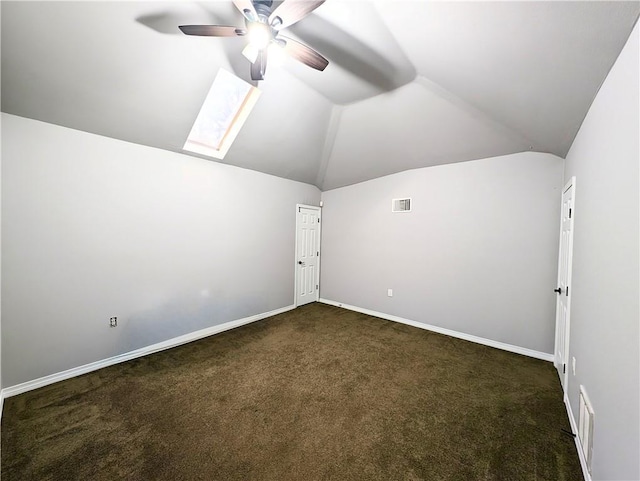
x,y
410,84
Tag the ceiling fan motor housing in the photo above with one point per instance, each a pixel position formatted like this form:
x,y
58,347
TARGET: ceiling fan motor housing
x,y
263,9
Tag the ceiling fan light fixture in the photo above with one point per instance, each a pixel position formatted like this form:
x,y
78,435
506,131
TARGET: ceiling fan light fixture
x,y
249,15
276,23
259,35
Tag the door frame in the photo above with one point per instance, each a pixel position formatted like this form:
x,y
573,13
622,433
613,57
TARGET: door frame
x,y
565,362
295,252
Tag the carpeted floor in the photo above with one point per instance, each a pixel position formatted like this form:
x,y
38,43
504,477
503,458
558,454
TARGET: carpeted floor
x,y
318,393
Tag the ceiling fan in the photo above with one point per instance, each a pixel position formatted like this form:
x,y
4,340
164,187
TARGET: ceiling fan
x,y
262,26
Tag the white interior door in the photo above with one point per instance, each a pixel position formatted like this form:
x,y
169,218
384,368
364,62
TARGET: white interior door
x,y
563,306
307,254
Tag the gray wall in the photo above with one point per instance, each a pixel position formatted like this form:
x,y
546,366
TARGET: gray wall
x,y
478,253
94,227
1,385
605,302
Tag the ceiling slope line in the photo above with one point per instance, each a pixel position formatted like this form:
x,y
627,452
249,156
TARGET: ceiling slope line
x,y
480,115
329,142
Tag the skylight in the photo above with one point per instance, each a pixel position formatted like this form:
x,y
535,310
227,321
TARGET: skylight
x,y
222,115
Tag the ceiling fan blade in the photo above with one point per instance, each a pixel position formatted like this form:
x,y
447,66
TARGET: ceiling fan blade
x,y
290,11
213,30
247,9
259,67
304,54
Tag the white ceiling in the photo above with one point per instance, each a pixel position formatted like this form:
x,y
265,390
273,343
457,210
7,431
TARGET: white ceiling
x,y
410,84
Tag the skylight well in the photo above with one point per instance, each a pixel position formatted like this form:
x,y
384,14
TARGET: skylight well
x,y
222,115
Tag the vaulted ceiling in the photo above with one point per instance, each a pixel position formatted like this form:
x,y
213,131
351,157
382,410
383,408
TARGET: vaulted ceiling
x,y
410,84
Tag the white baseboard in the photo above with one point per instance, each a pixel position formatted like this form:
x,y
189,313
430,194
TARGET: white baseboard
x,y
576,439
161,346
448,332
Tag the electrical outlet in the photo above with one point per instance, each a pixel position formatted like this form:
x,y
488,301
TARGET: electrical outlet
x,y
390,292
573,365
113,322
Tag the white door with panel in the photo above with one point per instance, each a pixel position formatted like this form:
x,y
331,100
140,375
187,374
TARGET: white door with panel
x,y
307,254
563,291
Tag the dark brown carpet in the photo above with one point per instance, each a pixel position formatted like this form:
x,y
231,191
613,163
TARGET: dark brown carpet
x,y
315,393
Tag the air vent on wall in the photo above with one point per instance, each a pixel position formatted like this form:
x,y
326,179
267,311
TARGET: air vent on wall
x,y
401,205
585,427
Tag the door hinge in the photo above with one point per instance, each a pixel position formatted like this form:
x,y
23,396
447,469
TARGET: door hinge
x,y
316,287
318,220
564,369
569,212
317,253
567,291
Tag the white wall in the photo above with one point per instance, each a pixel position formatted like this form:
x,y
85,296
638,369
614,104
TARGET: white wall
x,y
605,311
94,227
478,253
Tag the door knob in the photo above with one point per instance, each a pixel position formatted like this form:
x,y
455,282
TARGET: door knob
x,y
558,290
300,262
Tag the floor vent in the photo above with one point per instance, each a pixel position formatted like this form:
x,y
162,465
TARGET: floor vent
x,y
585,427
401,205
